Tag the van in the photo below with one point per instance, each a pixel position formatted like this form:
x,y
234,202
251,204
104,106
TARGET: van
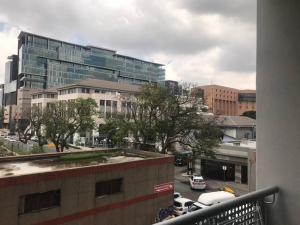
x,y
209,199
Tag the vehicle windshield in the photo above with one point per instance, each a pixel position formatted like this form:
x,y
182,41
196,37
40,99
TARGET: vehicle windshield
x,y
193,208
198,180
177,204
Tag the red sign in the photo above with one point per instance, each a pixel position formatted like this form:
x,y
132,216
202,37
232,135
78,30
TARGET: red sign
x,y
163,187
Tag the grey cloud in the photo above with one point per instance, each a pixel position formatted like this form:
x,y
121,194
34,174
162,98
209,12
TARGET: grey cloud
x,y
240,9
142,28
237,59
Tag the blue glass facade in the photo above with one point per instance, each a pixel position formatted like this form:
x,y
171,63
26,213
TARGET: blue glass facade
x,y
45,62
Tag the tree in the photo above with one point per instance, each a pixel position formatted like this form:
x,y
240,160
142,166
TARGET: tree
x,y
36,121
157,115
64,118
250,114
21,120
114,130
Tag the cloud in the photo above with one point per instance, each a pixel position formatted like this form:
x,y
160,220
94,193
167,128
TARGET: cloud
x,y
238,9
196,35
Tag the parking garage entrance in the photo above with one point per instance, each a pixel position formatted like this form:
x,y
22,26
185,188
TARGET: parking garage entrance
x,y
221,170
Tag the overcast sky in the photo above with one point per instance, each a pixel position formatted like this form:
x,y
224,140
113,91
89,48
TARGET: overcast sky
x,y
200,41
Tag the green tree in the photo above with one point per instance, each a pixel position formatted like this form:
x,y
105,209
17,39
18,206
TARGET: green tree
x,y
251,114
64,118
158,116
36,121
21,119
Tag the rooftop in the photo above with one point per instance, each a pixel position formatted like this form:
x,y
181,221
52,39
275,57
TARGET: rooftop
x,y
104,84
34,164
236,121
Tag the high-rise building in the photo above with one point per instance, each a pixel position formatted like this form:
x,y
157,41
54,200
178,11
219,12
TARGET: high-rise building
x,y
45,62
228,101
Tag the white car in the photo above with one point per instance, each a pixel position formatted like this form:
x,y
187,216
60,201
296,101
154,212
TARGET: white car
x,y
181,206
209,199
197,182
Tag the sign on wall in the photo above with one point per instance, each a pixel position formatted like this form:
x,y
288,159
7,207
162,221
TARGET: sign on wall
x,y
163,187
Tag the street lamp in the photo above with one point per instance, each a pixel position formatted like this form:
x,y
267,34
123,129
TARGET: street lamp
x,y
224,168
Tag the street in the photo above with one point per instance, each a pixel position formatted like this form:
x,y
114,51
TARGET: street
x,y
183,187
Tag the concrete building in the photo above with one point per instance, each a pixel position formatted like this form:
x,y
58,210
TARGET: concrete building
x,y
228,101
237,127
111,97
233,162
10,90
117,189
246,101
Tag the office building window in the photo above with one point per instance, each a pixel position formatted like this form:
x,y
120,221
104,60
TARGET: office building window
x,y
39,201
108,187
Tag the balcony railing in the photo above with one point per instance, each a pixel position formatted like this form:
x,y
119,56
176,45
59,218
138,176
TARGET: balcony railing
x,y
245,210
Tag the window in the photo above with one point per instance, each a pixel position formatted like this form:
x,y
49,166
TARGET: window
x,y
39,201
114,107
85,90
187,204
102,102
97,91
108,187
108,103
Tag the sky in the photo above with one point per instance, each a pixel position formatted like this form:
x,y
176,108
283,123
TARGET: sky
x,y
199,41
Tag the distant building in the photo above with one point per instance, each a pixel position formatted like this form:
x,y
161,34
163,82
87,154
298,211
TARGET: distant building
x,y
237,128
46,62
10,91
43,63
228,101
246,101
115,190
232,162
173,86
111,98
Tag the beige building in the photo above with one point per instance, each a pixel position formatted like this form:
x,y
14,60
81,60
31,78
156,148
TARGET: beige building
x,y
228,101
111,97
123,189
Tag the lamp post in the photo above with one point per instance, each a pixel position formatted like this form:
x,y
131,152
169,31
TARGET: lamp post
x,y
224,168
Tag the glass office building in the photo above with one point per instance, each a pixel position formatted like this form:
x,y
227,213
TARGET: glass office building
x,y
45,62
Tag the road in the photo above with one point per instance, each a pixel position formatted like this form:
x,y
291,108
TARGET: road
x,y
183,187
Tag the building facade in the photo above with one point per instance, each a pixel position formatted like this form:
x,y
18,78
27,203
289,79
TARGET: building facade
x,y
235,162
111,98
246,101
129,189
228,101
45,62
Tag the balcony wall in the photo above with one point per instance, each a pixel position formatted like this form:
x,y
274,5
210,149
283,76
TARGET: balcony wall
x,y
278,105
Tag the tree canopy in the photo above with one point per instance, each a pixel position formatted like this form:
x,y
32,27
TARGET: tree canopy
x,y
251,114
159,116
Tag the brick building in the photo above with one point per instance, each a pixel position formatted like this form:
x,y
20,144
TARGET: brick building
x,y
228,101
118,189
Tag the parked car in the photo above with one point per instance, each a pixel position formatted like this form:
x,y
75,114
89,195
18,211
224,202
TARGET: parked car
x,y
197,182
209,199
181,158
177,195
181,205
